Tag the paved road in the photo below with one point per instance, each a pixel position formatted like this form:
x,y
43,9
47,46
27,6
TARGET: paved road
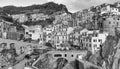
x,y
20,65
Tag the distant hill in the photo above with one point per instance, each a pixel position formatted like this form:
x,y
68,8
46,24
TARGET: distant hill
x,y
47,8
51,9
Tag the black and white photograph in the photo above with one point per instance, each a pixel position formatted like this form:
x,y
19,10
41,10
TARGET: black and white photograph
x,y
59,34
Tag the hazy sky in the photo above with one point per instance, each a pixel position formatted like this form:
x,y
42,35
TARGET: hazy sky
x,y
72,5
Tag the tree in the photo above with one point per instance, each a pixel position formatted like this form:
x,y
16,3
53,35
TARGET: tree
x,y
48,44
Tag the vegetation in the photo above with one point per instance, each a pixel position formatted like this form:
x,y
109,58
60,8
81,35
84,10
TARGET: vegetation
x,y
47,8
48,44
6,18
106,54
43,23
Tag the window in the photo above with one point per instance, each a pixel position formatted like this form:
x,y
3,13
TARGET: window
x,y
66,37
98,47
99,40
30,35
30,30
117,23
83,39
118,19
26,32
89,45
58,37
57,55
109,22
57,41
112,8
57,45
33,31
94,40
95,45
72,55
86,45
4,28
89,40
48,36
65,55
113,18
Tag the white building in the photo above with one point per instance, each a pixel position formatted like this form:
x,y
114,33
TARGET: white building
x,y
61,36
86,32
110,9
96,41
38,16
34,32
20,17
93,39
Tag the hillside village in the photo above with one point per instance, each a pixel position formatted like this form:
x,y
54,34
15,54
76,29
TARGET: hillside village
x,y
93,32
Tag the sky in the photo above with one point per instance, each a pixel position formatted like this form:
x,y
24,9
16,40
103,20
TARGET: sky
x,y
72,5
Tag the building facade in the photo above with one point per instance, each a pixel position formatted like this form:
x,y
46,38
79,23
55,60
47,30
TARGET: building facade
x,y
110,23
92,40
20,17
74,37
111,9
48,33
34,33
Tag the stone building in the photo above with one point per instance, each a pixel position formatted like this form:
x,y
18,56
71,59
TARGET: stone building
x,y
110,23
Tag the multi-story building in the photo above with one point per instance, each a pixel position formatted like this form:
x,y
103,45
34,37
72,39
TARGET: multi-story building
x,y
38,16
111,9
77,18
4,28
61,34
110,23
20,17
60,37
92,40
74,37
8,30
34,32
84,18
48,33
64,18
